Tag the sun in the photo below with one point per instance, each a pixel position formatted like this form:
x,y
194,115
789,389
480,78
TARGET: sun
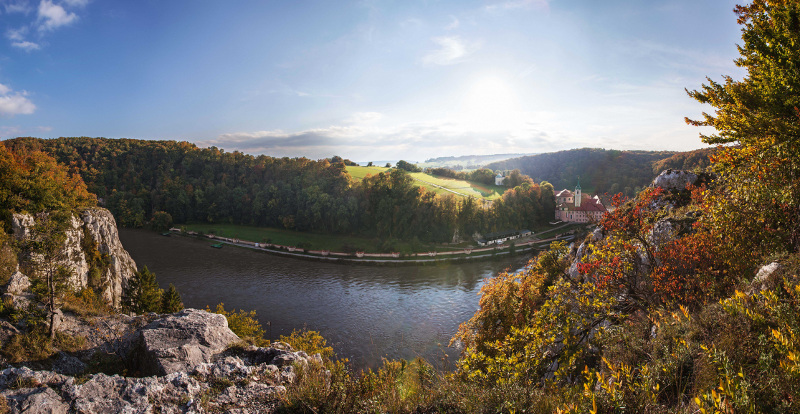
x,y
490,104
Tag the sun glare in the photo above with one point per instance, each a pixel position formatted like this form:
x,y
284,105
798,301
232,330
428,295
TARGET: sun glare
x,y
490,104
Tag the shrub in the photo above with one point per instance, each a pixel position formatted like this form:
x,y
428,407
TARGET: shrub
x,y
244,324
309,341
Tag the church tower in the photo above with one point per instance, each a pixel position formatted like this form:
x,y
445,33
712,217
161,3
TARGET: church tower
x,y
578,194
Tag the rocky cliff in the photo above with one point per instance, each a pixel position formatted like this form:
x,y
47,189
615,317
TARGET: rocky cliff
x,y
194,361
99,224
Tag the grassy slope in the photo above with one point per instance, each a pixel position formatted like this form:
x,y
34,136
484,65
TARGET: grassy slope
x,y
317,241
435,184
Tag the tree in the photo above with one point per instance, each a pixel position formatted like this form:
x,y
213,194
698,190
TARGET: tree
x,y
161,221
142,295
407,166
171,300
46,248
757,119
516,178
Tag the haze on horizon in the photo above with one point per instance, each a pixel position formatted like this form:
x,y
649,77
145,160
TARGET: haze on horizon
x,y
367,80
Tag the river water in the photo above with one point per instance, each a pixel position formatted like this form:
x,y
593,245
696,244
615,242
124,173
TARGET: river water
x,y
365,312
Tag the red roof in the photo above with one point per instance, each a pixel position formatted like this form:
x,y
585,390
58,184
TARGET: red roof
x,y
564,193
588,203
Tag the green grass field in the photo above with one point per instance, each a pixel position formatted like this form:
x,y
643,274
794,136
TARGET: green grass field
x,y
439,185
311,241
359,173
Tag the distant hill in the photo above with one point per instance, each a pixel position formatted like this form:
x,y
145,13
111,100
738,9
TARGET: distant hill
x,y
467,162
690,160
600,170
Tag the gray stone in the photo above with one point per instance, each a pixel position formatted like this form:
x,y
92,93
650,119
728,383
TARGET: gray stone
x,y
101,226
764,276
68,365
181,341
18,283
674,179
40,400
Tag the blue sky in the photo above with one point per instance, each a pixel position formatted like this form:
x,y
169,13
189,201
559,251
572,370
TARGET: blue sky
x,y
366,80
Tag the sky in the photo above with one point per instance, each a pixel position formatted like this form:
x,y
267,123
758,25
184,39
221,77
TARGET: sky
x,y
368,79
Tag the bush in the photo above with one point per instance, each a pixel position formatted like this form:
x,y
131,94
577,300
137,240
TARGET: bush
x,y
309,341
244,324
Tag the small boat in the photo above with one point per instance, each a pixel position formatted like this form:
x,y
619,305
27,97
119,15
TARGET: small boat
x,y
166,233
217,245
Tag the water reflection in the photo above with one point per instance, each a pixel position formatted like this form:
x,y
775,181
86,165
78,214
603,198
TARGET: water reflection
x,y
366,312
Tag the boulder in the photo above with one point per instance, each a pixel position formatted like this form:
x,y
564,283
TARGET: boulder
x,y
67,364
674,179
181,341
766,276
39,400
18,283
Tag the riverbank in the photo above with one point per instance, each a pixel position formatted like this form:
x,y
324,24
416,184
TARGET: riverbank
x,y
521,246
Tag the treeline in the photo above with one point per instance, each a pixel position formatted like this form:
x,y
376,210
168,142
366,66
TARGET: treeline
x,y
136,179
33,182
600,170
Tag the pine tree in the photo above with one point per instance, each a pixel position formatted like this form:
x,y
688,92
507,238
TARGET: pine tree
x,y
142,294
171,300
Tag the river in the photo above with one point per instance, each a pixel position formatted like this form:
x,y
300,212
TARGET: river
x,y
366,313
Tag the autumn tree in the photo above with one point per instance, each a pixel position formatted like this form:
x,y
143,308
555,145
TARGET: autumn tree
x,y
757,120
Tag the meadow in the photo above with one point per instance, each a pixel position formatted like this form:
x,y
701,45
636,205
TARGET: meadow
x,y
439,185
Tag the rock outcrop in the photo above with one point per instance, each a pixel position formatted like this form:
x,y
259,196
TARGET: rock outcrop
x,y
180,341
99,224
198,372
675,179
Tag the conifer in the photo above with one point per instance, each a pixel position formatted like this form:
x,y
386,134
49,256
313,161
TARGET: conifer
x,y
171,300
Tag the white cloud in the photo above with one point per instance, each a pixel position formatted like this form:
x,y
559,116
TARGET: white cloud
x,y
454,23
21,6
26,45
14,103
371,141
452,50
17,34
53,16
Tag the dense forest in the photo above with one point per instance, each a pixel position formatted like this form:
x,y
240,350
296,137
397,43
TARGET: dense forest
x,y
600,170
138,179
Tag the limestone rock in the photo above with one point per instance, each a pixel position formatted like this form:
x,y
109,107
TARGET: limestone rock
x,y
674,179
18,283
181,341
765,276
40,400
101,226
67,364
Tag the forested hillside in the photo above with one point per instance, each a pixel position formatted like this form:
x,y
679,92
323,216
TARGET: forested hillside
x,y
136,179
600,170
